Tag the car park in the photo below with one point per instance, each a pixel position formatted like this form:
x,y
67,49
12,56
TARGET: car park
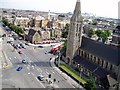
x,y
19,68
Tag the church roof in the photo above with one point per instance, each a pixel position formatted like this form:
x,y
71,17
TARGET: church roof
x,y
105,52
94,68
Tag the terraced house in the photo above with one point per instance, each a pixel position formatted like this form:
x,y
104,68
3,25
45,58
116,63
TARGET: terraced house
x,y
92,58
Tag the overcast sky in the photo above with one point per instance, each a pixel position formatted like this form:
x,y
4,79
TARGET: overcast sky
x,y
107,8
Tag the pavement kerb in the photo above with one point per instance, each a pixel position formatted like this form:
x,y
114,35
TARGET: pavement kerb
x,y
64,75
7,60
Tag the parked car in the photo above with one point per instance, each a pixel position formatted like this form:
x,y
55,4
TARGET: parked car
x,y
22,46
24,61
19,68
40,46
40,77
19,52
26,44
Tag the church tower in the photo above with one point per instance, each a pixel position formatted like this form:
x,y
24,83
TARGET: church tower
x,y
75,33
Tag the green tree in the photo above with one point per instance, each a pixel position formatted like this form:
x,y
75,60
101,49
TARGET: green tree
x,y
67,26
64,34
104,35
64,46
20,31
91,84
98,33
5,22
66,29
111,23
91,32
94,22
13,16
108,33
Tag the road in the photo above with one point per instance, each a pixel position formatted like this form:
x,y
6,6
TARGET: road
x,y
38,64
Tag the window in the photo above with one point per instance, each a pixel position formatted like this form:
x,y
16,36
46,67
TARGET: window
x,y
77,28
111,67
106,65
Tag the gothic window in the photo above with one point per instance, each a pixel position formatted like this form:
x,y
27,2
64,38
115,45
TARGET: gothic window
x,y
77,28
111,67
85,55
98,61
102,63
76,34
106,65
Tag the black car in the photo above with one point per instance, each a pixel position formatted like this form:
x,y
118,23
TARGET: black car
x,y
40,46
40,77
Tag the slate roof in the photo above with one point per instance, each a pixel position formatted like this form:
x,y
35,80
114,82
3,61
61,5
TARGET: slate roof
x,y
32,32
94,68
105,52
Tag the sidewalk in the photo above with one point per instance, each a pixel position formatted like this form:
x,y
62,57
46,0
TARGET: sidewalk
x,y
44,44
64,75
4,61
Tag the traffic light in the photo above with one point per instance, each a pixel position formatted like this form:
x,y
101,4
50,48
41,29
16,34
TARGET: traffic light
x,y
49,75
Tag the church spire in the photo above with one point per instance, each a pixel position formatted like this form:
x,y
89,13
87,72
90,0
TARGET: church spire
x,y
77,11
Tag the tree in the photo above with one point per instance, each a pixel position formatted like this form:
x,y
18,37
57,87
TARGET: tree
x,y
94,22
67,26
5,22
20,31
13,16
98,33
4,11
91,32
64,34
91,84
108,33
64,46
111,23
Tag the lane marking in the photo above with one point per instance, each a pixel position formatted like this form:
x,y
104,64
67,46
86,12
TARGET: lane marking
x,y
40,83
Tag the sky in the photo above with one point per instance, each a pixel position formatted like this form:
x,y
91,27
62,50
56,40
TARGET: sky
x,y
104,8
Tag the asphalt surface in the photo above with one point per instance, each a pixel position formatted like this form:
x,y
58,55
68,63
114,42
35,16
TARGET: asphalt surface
x,y
38,63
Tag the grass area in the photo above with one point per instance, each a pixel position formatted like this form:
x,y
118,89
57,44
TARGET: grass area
x,y
72,73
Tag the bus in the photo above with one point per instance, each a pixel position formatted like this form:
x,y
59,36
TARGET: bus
x,y
55,48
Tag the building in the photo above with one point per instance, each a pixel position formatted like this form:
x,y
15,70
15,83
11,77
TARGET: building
x,y
56,33
34,36
116,37
91,58
22,21
37,36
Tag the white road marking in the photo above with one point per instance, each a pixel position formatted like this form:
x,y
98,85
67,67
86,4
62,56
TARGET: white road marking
x,y
38,69
28,73
40,83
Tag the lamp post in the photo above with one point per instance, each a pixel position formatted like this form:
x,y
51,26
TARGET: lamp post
x,y
79,72
58,57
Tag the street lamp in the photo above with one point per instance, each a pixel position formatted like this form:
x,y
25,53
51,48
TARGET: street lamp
x,y
58,57
79,72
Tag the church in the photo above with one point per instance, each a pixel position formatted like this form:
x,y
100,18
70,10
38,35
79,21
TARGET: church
x,y
92,58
